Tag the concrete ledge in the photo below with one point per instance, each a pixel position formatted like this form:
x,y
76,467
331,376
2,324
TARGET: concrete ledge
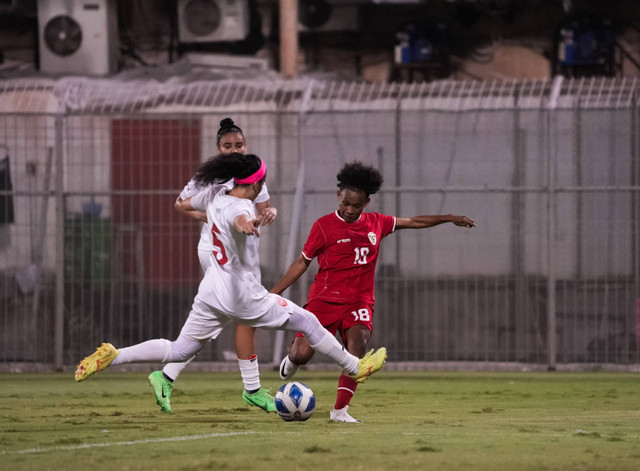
x,y
232,366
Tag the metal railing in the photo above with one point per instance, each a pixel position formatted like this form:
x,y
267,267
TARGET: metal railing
x,y
91,249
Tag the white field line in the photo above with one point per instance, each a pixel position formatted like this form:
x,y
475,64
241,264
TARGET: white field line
x,y
127,443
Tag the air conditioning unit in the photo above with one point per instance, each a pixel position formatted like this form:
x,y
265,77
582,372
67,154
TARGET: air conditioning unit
x,y
78,36
212,20
323,16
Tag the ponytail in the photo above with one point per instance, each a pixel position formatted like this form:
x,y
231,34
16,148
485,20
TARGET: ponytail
x,y
223,167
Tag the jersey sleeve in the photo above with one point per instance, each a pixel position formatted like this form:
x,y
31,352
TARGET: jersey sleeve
x,y
233,211
263,195
236,214
387,224
199,200
316,242
190,189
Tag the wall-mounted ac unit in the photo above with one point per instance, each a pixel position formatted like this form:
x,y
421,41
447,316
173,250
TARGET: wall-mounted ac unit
x,y
324,16
78,36
212,20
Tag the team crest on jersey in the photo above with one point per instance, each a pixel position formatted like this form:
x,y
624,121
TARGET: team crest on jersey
x,y
372,238
282,302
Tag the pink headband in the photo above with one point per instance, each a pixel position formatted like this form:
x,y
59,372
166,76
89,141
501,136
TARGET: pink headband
x,y
253,178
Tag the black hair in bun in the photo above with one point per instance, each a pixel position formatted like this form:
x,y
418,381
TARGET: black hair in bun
x,y
226,126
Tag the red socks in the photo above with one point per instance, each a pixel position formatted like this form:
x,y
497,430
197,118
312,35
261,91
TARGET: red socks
x,y
346,389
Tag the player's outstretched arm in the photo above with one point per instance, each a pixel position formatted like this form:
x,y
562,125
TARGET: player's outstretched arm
x,y
295,271
422,222
181,206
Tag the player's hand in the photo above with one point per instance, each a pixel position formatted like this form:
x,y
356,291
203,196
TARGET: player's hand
x,y
463,221
250,227
269,215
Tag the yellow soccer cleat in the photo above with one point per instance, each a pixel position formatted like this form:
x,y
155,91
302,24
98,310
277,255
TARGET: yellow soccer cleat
x,y
369,364
99,360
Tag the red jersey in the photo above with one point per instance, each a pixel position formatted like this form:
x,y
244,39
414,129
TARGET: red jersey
x,y
347,255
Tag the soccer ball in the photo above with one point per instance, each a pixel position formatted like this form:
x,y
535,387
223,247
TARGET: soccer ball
x,y
295,401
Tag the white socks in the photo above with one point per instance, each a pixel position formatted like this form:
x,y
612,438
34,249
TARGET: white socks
x,y
146,352
159,350
173,370
250,373
330,347
321,339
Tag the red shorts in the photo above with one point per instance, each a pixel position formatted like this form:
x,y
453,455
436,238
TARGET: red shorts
x,y
337,317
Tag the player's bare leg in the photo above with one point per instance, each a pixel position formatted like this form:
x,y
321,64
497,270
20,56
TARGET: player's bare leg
x,y
300,352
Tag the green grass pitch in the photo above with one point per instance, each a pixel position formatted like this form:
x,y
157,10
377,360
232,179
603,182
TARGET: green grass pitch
x,y
411,421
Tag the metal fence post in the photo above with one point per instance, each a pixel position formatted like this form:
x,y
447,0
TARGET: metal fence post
x,y
635,179
552,152
59,241
298,199
517,239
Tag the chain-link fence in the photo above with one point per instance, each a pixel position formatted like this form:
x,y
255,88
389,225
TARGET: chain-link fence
x,y
92,250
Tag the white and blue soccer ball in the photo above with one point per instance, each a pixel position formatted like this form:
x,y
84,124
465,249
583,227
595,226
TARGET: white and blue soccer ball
x,y
295,401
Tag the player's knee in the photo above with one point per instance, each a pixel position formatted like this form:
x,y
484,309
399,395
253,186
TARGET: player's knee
x,y
357,340
183,349
180,356
357,348
300,352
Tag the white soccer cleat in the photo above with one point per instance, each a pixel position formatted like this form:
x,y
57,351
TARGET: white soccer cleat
x,y
287,369
341,415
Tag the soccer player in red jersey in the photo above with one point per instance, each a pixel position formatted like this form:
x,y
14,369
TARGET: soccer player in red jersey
x,y
347,243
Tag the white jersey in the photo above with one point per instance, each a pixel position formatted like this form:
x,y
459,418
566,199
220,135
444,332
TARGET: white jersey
x,y
231,284
192,189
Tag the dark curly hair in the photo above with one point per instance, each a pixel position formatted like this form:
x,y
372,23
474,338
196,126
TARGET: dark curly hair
x,y
359,177
223,167
226,126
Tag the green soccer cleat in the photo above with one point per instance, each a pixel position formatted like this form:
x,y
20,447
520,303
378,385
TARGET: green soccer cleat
x,y
369,364
162,389
261,398
98,360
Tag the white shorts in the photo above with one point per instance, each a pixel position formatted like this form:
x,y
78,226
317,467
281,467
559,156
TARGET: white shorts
x,y
205,322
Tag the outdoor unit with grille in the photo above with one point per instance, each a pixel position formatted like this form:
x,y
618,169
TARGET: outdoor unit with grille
x,y
78,37
212,20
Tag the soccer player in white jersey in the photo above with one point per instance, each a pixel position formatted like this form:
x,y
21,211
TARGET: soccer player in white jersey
x,y
231,290
229,139
347,243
